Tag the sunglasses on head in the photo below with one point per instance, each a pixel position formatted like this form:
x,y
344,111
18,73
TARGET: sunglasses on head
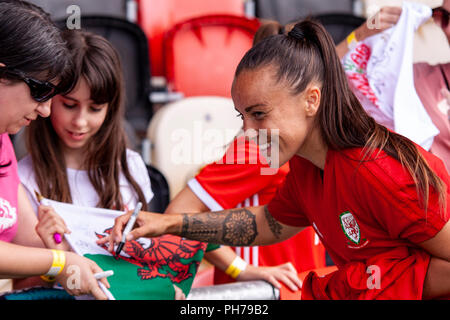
x,y
40,91
443,15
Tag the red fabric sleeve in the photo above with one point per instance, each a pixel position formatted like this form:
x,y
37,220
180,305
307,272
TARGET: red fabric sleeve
x,y
285,206
237,176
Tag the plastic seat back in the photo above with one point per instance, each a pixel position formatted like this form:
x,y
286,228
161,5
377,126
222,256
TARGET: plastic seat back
x,y
157,16
131,43
189,133
201,54
340,25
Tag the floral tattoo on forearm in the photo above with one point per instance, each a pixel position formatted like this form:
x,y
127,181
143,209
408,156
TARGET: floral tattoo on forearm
x,y
274,225
235,227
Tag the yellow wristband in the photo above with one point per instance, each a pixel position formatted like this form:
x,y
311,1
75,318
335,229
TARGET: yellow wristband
x,y
59,260
236,267
351,38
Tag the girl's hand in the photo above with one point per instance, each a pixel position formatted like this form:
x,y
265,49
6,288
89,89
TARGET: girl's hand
x,y
50,223
285,273
77,277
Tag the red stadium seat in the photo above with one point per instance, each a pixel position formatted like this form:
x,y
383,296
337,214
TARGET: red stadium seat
x,y
156,17
201,54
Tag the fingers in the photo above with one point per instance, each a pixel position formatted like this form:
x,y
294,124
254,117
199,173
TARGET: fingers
x,y
94,288
119,225
136,233
97,293
116,232
273,281
389,16
107,240
78,278
292,275
179,294
96,269
384,19
392,10
51,227
285,273
48,218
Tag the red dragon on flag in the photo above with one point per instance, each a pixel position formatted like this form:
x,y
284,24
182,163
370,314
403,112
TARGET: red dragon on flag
x,y
161,256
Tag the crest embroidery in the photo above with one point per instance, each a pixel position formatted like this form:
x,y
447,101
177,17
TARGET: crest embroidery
x,y
351,230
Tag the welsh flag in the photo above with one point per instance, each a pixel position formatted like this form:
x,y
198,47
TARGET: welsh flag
x,y
147,268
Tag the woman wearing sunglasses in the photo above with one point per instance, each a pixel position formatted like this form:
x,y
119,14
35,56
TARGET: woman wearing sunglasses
x,y
32,70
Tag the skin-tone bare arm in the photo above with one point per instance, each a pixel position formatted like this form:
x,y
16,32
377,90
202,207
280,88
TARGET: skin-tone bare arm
x,y
27,221
186,200
437,281
234,227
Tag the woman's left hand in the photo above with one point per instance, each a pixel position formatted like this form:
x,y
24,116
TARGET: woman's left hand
x,y
49,224
285,273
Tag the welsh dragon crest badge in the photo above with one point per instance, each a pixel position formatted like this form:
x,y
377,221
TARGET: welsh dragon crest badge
x,y
352,231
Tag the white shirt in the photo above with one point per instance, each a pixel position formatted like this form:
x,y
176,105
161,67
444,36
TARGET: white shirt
x,y
81,189
388,68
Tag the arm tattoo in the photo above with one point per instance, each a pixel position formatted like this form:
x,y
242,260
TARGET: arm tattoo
x,y
236,227
274,225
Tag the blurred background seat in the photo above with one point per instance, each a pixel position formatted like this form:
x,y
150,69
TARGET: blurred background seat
x,y
201,54
156,17
110,8
188,134
131,43
285,11
339,25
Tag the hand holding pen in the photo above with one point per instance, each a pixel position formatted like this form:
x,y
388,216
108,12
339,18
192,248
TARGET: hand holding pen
x,y
49,223
148,224
128,228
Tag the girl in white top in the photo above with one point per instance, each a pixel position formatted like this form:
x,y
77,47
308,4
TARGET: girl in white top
x,y
78,155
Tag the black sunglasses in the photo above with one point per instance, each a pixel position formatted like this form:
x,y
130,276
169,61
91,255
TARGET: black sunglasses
x,y
443,15
40,91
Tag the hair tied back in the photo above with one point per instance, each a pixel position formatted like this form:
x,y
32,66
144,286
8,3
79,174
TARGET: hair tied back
x,y
297,33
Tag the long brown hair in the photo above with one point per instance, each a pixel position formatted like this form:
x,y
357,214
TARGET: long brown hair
x,y
95,60
307,53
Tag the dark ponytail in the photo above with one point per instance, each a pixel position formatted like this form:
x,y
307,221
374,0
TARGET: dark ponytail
x,y
307,53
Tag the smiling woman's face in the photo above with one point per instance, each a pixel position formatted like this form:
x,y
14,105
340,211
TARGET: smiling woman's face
x,y
264,103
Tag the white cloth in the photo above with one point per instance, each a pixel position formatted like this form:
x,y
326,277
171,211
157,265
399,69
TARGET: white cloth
x,y
81,189
380,72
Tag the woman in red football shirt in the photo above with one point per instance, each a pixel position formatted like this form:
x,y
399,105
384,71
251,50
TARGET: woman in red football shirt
x,y
379,203
238,180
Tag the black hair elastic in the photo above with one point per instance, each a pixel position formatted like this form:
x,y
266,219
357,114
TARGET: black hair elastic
x,y
297,34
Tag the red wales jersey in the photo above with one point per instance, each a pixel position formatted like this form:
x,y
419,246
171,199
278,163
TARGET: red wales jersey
x,y
237,181
368,217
